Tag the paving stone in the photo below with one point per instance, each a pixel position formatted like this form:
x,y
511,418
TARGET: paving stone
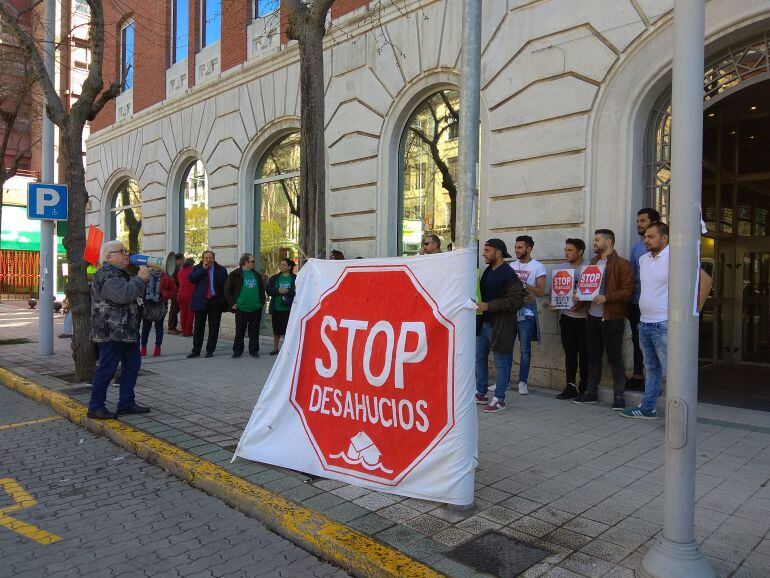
x,y
606,550
452,536
585,526
427,524
371,523
532,526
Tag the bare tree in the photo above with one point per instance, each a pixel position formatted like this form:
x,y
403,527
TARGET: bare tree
x,y
444,116
92,99
19,103
306,23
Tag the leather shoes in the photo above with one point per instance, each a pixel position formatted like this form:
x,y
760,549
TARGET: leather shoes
x,y
133,409
236,355
209,354
193,354
102,413
255,354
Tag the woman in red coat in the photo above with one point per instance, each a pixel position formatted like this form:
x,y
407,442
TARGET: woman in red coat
x,y
184,297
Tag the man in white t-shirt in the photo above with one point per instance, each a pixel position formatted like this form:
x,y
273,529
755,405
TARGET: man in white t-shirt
x,y
533,274
653,320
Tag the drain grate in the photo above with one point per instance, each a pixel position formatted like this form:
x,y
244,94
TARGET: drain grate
x,y
497,554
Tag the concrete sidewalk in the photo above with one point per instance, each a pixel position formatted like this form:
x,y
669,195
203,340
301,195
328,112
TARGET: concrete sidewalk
x,y
580,482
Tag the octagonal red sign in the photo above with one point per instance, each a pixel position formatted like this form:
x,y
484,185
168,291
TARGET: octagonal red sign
x,y
374,377
590,280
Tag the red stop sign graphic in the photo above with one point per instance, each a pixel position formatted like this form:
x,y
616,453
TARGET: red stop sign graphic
x,y
562,283
590,280
374,376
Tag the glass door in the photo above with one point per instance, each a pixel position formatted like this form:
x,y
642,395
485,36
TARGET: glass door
x,y
717,326
755,304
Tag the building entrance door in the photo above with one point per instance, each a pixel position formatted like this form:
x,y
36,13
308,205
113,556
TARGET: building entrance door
x,y
717,322
754,303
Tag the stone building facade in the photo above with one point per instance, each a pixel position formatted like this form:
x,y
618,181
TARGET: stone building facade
x,y
569,89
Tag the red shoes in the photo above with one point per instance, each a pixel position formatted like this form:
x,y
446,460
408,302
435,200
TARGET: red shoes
x,y
156,351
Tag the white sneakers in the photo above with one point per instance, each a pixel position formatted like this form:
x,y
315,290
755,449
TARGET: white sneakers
x,y
523,389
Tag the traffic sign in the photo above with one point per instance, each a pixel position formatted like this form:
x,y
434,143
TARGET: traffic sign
x,y
590,282
376,392
562,287
47,202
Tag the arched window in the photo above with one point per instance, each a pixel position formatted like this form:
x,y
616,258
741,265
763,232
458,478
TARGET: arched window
x,y
724,75
428,171
276,194
126,215
194,211
657,173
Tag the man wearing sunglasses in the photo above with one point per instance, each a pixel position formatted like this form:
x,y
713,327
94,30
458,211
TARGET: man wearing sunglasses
x,y
431,245
115,330
245,294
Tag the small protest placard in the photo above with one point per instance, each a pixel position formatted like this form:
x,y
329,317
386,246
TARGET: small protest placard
x,y
590,282
562,287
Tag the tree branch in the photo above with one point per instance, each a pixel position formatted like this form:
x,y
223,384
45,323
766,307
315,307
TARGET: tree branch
x,y
10,17
105,97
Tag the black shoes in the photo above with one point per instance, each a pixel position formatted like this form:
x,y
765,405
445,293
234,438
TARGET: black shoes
x,y
255,354
274,352
619,404
235,355
193,354
586,398
133,409
102,413
209,354
570,392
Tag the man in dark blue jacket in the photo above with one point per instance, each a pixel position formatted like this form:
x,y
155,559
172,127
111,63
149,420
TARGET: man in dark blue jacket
x,y
208,302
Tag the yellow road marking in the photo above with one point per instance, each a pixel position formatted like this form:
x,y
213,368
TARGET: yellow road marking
x,y
23,500
33,422
327,538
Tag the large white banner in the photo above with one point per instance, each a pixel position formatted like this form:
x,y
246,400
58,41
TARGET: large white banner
x,y
374,384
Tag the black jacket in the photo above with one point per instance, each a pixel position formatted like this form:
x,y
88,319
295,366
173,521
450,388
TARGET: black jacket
x,y
234,285
199,277
502,313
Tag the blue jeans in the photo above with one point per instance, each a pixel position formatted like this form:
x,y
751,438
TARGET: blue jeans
x,y
67,329
503,364
524,330
653,340
112,353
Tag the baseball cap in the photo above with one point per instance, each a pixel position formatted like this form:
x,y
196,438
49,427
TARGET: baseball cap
x,y
500,245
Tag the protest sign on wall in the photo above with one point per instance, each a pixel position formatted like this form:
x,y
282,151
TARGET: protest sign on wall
x,y
374,384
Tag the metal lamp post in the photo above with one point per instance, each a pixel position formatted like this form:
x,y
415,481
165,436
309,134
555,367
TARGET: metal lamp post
x,y
676,553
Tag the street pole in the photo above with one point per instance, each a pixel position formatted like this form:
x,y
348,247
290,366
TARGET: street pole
x,y
470,97
676,553
47,252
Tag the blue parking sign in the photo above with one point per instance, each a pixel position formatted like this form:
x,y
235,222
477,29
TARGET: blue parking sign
x,y
47,202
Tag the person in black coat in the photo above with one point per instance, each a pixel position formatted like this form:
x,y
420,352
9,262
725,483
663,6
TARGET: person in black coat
x,y
208,302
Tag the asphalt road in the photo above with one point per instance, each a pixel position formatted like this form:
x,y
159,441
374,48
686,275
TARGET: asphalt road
x,y
73,504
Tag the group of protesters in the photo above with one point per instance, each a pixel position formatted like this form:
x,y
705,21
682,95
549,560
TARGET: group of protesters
x,y
124,309
635,290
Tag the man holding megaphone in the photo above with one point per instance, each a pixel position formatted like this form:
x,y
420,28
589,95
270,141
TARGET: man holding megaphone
x,y
115,329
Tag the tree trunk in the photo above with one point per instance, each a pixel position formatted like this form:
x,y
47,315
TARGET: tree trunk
x,y
77,291
312,143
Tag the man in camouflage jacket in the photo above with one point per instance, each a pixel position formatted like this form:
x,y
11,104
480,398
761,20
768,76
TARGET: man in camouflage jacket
x,y
115,321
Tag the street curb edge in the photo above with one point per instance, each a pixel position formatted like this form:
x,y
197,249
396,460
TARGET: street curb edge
x,y
331,540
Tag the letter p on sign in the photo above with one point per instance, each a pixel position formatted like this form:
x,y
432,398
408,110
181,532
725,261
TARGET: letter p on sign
x,y
47,201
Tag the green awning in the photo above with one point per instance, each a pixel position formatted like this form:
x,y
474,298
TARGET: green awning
x,y
19,233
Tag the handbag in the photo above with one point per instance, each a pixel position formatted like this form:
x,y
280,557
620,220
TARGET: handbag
x,y
154,310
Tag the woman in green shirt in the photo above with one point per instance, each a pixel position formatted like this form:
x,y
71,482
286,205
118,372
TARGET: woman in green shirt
x,y
281,288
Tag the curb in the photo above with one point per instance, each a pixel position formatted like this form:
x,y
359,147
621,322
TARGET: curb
x,y
332,541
